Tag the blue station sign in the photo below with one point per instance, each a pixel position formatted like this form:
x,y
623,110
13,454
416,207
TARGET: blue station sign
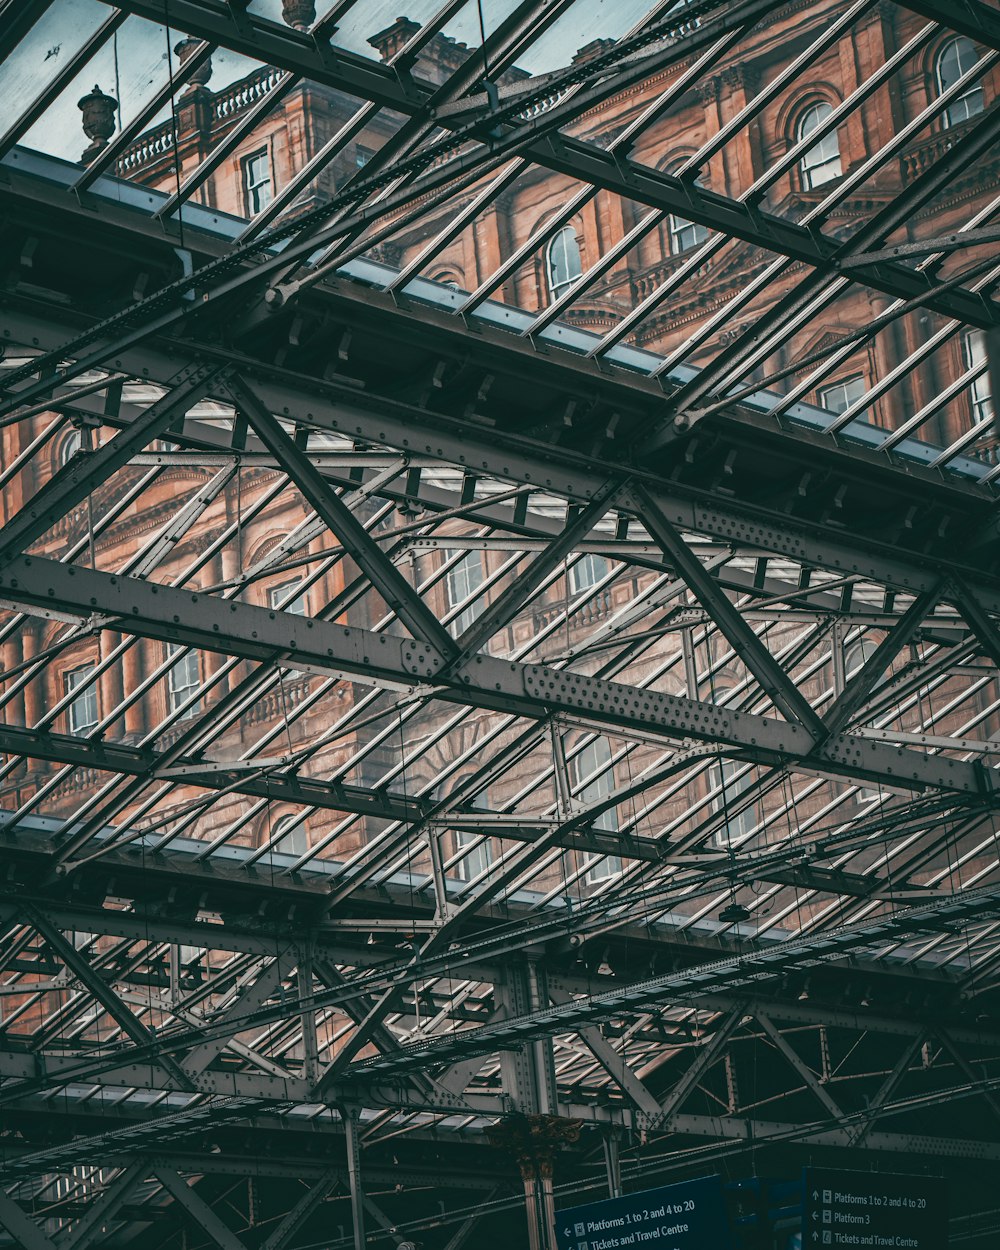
x,y
688,1216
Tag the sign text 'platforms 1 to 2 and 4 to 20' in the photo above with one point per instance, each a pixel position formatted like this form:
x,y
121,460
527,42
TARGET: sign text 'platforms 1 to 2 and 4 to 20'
x,y
689,1216
873,1211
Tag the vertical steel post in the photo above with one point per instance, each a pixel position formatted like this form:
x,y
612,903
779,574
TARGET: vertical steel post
x,y
354,1177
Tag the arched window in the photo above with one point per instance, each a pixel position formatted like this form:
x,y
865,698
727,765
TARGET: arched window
x,y
954,59
562,261
821,162
71,444
857,655
289,836
448,278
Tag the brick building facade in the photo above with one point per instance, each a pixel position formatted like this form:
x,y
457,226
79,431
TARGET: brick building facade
x,y
540,235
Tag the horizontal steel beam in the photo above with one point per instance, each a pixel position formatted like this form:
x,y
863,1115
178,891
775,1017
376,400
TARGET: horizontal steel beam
x,y
238,777
342,70
726,975
328,405
203,621
755,1131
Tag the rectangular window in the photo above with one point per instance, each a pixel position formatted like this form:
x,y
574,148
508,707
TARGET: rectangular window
x,y
183,681
463,581
285,599
594,780
841,395
586,573
257,189
82,712
974,356
684,234
362,156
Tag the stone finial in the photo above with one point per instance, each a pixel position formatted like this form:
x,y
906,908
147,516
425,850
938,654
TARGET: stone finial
x,y
98,112
299,13
185,50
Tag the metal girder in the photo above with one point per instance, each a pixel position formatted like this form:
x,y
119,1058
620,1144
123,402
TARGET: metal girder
x,y
353,1143
18,19
197,1209
665,1115
782,1044
201,620
521,589
585,162
725,975
94,983
146,1135
773,679
329,406
76,480
576,477
300,1212
614,1063
866,679
26,1233
982,626
327,504
266,782
104,1208
467,1227
756,1131
255,995
977,21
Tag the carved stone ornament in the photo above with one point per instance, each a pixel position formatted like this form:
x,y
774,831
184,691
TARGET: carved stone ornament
x,y
185,49
298,13
98,112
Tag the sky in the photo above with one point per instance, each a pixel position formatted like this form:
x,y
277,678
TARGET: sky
x,y
132,67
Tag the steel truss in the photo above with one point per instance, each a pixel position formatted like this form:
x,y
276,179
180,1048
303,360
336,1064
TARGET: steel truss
x,y
677,818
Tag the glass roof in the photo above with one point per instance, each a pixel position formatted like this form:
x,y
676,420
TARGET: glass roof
x,y
514,588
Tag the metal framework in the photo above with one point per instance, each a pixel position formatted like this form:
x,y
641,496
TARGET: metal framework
x,y
424,709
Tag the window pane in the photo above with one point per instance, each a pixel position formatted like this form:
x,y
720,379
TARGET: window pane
x,y
257,182
82,712
477,860
685,234
734,779
821,162
183,681
956,58
973,357
841,395
285,599
464,579
594,780
563,260
587,572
